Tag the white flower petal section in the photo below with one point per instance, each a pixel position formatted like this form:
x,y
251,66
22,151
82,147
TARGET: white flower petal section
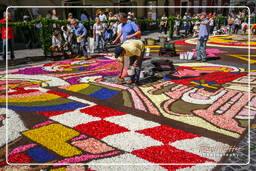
x,y
203,147
74,118
187,98
206,167
81,101
132,122
130,141
89,79
124,159
15,126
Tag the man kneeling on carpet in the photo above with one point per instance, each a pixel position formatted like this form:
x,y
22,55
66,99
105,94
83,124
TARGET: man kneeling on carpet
x,y
133,52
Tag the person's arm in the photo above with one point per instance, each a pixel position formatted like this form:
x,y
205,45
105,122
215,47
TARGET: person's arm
x,y
134,35
117,38
122,70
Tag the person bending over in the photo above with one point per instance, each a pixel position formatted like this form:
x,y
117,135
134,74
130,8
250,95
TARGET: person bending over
x,y
133,51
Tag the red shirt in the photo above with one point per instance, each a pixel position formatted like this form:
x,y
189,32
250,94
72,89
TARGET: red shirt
x,y
10,33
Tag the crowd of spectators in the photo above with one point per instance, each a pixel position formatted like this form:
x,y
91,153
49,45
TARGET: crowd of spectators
x,y
119,28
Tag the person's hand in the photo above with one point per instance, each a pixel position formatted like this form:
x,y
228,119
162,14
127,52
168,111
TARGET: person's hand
x,y
134,64
120,80
113,42
129,37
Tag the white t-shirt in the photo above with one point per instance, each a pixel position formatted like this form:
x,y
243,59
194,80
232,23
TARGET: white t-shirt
x,y
102,17
119,30
98,28
237,21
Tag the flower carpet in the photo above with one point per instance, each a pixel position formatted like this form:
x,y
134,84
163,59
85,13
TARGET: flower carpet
x,y
65,113
230,48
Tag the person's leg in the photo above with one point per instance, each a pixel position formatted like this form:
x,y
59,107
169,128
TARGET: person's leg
x,y
97,41
198,52
103,43
11,47
4,49
165,30
83,47
132,59
138,67
203,50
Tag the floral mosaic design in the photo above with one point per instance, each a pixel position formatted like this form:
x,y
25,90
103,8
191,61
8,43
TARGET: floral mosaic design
x,y
64,112
70,70
232,41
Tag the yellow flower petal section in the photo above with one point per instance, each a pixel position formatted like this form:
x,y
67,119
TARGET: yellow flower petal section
x,y
77,87
54,137
44,97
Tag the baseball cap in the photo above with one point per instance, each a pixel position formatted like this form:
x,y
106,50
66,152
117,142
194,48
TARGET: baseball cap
x,y
118,50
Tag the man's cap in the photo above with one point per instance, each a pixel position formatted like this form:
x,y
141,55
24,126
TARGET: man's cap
x,y
118,51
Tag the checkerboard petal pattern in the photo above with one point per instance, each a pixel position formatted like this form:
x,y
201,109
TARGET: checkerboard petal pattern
x,y
166,134
101,111
130,141
167,154
124,159
100,129
203,146
74,118
132,122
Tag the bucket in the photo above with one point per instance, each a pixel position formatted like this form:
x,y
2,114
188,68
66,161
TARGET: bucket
x,y
186,55
190,55
182,56
147,52
131,71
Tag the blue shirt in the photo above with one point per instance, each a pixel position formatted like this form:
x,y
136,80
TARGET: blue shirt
x,y
80,30
84,17
204,30
129,28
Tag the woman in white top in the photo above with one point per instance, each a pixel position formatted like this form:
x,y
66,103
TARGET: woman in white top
x,y
177,25
196,27
54,17
237,24
163,24
98,33
57,40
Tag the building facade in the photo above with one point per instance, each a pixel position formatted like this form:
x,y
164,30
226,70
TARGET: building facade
x,y
149,12
139,12
186,4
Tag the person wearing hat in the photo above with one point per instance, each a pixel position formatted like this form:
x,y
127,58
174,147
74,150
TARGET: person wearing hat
x,y
134,51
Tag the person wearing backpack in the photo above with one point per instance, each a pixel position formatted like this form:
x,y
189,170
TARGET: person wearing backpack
x,y
129,30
